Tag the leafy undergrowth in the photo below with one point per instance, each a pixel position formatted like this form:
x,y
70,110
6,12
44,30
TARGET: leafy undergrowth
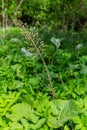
x,y
25,96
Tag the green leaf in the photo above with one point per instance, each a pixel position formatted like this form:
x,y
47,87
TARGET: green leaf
x,y
45,127
85,102
84,128
79,127
33,81
66,127
15,126
22,110
39,123
63,110
25,123
16,84
76,120
41,104
2,123
84,69
84,119
79,103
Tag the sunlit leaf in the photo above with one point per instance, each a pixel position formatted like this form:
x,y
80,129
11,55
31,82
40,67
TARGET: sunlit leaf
x,y
63,110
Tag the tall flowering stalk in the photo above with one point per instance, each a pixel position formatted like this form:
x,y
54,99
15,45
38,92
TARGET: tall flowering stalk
x,y
33,38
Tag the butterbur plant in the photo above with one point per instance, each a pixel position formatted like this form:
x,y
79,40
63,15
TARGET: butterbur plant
x,y
25,102
35,41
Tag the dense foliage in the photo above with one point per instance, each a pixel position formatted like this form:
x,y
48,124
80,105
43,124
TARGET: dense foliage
x,y
43,65
58,14
26,102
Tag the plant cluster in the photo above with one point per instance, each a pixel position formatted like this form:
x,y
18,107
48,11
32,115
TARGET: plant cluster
x,y
26,100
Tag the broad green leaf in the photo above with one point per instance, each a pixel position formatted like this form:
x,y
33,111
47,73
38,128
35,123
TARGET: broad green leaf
x,y
63,110
54,109
22,110
64,106
53,122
